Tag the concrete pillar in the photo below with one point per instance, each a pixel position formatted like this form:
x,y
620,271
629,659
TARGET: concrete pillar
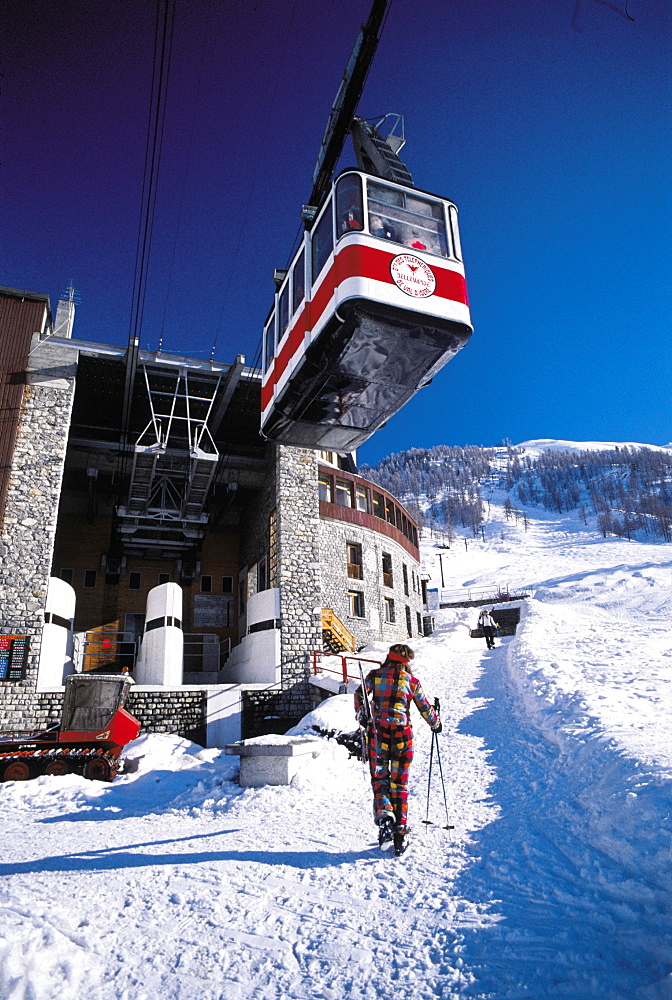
x,y
56,650
161,657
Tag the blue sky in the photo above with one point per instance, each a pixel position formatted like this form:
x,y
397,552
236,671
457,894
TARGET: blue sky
x,y
546,121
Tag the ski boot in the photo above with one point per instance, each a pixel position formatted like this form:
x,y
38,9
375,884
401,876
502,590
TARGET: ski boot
x,y
385,832
400,842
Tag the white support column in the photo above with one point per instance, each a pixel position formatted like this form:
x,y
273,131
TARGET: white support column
x,y
56,650
161,657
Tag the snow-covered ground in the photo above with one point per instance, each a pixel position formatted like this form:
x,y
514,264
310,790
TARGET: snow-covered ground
x,y
173,883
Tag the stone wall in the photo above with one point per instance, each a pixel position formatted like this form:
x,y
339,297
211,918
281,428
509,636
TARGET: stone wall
x,y
182,712
334,538
299,575
273,711
29,524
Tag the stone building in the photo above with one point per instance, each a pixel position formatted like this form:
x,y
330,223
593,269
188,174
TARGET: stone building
x,y
129,478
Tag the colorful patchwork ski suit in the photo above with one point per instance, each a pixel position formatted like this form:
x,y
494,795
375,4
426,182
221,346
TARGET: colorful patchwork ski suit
x,y
391,689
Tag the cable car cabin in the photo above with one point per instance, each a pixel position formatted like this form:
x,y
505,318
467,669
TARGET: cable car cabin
x,y
373,305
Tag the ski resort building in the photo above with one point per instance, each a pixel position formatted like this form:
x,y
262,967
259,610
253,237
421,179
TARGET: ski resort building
x,y
146,524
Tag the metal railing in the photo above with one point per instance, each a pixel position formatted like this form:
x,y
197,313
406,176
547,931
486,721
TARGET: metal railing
x,y
496,594
95,650
339,666
205,652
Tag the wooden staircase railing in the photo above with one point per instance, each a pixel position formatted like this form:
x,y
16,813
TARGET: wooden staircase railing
x,y
334,633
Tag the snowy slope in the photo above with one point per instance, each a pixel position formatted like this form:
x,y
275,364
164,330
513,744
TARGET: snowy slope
x,y
175,883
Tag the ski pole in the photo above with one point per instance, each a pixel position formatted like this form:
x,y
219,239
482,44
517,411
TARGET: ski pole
x,y
427,820
448,825
435,736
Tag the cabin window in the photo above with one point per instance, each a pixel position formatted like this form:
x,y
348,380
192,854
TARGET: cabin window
x,y
388,579
322,241
283,312
299,281
344,492
349,207
390,616
325,485
454,231
355,569
408,218
269,341
362,499
379,505
356,600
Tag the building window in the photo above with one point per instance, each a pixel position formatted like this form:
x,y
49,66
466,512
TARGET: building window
x,y
344,492
326,487
227,584
273,549
379,505
355,570
356,599
388,578
389,611
134,581
420,629
164,578
328,456
89,578
362,501
409,622
206,584
262,574
242,595
389,511
68,575
404,570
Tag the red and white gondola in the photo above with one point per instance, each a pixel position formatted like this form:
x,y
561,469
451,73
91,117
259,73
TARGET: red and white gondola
x,y
373,305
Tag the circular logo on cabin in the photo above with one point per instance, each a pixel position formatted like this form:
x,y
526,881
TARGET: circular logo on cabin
x,y
412,275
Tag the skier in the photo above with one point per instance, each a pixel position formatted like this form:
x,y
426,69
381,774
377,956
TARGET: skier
x,y
489,626
384,708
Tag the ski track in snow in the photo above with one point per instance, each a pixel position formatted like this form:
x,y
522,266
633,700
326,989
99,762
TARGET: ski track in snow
x,y
174,883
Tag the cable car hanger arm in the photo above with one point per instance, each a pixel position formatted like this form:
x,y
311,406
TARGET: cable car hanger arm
x,y
347,98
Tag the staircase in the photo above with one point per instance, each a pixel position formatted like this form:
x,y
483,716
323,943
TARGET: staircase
x,y
335,636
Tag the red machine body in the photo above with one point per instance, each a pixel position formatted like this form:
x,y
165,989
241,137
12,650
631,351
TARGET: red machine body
x,y
94,730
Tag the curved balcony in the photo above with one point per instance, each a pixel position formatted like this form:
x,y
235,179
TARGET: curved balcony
x,y
346,497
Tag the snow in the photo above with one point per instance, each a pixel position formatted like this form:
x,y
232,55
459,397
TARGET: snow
x,y
175,883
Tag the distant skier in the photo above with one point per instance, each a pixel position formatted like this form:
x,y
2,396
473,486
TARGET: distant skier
x,y
389,691
489,626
